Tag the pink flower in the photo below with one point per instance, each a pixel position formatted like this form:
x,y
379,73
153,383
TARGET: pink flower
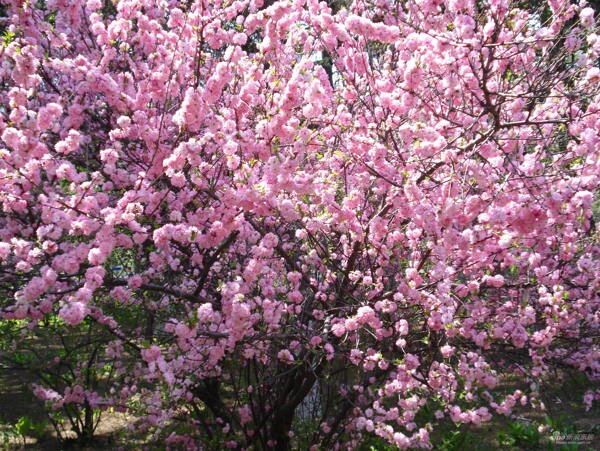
x,y
447,351
402,327
338,329
94,4
270,240
315,341
495,281
245,414
96,256
4,250
239,39
205,313
411,361
12,137
70,143
151,354
45,394
355,356
48,115
73,313
593,75
586,17
134,282
285,356
183,331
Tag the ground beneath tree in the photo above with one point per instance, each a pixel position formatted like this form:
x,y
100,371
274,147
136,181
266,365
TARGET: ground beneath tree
x,y
17,401
114,432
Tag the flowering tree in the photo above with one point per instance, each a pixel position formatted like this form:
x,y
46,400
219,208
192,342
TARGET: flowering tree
x,y
298,222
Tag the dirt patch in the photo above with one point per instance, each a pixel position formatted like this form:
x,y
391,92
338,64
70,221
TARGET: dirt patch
x,y
17,402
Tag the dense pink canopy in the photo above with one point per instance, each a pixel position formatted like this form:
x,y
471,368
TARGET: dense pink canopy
x,y
377,206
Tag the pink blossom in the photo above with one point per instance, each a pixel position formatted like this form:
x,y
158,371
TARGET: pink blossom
x,y
73,313
135,282
285,356
495,281
593,75
151,354
4,250
183,331
586,17
447,351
